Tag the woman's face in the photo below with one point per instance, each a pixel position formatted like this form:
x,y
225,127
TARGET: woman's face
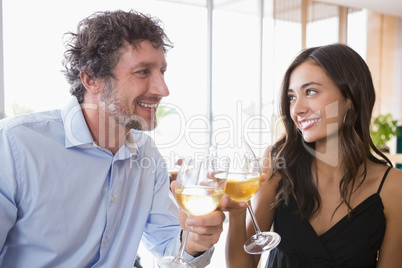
x,y
317,106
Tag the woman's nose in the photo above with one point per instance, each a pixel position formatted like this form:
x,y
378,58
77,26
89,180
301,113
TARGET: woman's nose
x,y
299,107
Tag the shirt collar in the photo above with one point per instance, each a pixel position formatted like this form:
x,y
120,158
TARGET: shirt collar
x,y
75,126
130,143
129,149
78,134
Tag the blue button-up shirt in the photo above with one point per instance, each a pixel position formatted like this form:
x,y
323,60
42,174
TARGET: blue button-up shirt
x,y
65,202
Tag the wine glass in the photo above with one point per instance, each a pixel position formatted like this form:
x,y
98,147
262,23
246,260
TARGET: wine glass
x,y
243,182
198,191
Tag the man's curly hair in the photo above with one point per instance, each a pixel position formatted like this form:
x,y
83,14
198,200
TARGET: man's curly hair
x,y
94,48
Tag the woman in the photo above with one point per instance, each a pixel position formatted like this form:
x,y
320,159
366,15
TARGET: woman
x,y
335,200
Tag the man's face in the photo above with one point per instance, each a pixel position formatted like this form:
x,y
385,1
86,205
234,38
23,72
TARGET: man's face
x,y
132,98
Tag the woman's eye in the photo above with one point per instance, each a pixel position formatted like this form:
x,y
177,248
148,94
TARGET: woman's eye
x,y
310,92
291,97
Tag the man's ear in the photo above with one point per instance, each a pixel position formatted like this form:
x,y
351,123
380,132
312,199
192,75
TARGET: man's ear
x,y
92,84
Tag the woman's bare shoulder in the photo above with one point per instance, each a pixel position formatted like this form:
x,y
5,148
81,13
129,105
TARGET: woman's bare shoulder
x,y
391,196
393,181
391,192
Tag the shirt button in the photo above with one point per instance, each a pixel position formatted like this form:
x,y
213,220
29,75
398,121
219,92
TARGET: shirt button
x,y
105,240
112,199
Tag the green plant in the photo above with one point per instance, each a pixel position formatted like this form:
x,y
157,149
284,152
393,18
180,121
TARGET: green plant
x,y
163,111
18,109
384,127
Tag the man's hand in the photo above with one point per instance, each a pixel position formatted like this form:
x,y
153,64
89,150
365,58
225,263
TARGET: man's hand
x,y
205,230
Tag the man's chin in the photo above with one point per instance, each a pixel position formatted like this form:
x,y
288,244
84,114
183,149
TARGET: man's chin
x,y
148,128
142,126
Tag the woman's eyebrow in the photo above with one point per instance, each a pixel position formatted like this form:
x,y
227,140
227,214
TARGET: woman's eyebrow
x,y
309,84
305,85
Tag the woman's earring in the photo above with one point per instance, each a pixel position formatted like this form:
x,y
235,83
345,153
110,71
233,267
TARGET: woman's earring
x,y
344,117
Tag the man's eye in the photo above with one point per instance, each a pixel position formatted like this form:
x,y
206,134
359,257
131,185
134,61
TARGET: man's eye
x,y
141,73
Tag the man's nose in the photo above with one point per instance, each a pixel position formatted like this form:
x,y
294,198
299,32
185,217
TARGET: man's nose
x,y
159,86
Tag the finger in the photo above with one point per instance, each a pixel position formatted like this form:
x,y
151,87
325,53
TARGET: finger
x,y
206,230
264,177
202,241
212,174
212,219
225,201
172,187
200,245
179,162
228,204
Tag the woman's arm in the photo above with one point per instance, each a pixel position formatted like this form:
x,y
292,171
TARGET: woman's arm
x,y
236,237
239,231
391,195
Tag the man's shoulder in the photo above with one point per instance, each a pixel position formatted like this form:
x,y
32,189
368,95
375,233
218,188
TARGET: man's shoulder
x,y
31,120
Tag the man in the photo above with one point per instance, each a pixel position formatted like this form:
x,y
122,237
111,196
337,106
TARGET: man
x,y
81,186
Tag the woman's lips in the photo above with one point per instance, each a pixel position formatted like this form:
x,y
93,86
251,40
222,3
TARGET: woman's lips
x,y
307,123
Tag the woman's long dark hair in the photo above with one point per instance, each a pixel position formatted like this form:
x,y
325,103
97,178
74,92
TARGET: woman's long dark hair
x,y
349,72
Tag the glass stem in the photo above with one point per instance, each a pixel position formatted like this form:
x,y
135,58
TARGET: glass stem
x,y
183,246
253,219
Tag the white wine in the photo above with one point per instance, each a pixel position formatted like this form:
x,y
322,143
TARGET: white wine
x,y
198,200
242,186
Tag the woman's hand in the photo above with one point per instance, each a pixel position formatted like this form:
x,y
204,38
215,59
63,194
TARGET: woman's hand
x,y
234,207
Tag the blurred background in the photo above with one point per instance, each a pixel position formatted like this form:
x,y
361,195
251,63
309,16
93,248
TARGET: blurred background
x,y
224,72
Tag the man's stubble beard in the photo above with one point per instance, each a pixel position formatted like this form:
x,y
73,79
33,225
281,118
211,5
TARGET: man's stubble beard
x,y
114,107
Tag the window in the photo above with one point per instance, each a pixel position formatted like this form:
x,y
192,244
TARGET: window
x,y
323,25
357,30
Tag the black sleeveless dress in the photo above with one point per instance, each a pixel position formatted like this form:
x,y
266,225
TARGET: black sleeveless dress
x,y
352,242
